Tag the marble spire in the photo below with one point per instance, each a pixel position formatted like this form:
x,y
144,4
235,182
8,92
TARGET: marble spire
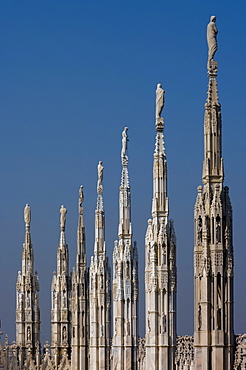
x,y
99,291
27,306
160,265
213,250
60,291
125,279
80,306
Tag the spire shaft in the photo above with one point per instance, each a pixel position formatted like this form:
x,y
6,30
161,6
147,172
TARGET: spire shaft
x,y
99,246
213,163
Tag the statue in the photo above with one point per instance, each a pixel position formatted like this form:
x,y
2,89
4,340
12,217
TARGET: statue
x,y
211,39
28,333
81,199
100,169
63,212
27,215
124,142
160,101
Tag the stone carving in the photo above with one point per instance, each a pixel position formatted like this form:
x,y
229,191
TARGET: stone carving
x,y
100,169
28,333
124,143
63,213
212,39
184,356
160,101
27,215
199,230
81,199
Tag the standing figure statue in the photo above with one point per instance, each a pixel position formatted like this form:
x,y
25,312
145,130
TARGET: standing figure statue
x,y
160,101
100,175
212,39
81,199
27,215
124,142
63,213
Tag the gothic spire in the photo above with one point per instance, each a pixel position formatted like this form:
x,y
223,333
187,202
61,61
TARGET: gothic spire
x,y
160,200
62,254
213,162
27,254
160,267
213,251
27,306
81,255
99,247
125,228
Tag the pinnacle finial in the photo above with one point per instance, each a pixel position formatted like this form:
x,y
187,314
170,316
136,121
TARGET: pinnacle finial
x,y
160,101
63,213
125,139
100,169
81,199
212,40
27,216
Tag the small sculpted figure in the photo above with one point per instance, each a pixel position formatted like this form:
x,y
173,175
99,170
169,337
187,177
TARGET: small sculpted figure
x,y
100,169
81,199
212,39
27,215
160,100
63,213
124,142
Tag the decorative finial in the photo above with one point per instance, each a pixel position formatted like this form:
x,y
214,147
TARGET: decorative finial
x,y
100,169
27,216
212,40
63,213
81,199
125,139
160,101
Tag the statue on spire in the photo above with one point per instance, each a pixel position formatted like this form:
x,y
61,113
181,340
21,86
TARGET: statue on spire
x,y
160,101
27,215
81,199
212,39
124,145
100,169
63,213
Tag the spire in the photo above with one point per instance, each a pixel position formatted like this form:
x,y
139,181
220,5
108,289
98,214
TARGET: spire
x,y
160,200
62,254
27,254
27,305
99,246
160,267
213,163
81,255
125,228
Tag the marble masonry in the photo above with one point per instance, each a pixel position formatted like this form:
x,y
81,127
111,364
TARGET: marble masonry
x,y
94,310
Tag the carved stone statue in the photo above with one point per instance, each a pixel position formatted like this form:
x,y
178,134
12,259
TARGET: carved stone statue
x,y
160,101
100,169
211,39
28,333
81,199
63,213
124,142
27,215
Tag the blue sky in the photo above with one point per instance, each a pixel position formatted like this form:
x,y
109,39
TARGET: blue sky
x,y
73,74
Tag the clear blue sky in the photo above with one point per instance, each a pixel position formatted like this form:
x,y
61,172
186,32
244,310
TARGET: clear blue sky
x,y
72,75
